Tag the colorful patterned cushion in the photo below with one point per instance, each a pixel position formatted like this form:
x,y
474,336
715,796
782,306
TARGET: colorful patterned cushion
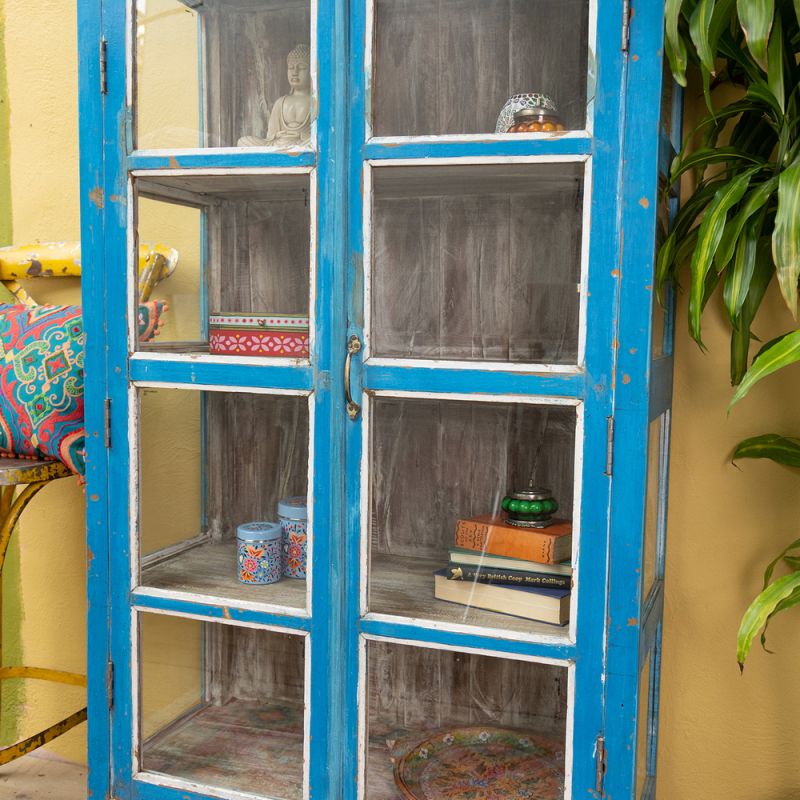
x,y
41,379
41,383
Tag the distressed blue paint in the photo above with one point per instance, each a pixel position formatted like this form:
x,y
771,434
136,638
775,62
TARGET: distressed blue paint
x,y
561,651
227,611
601,323
218,158
222,373
93,292
472,381
433,148
636,379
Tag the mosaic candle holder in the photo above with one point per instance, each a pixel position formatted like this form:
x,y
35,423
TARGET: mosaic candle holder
x,y
258,335
517,103
293,514
260,557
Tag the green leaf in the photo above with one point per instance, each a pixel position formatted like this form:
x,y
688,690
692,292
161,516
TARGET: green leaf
x,y
711,230
754,200
786,236
780,449
755,17
700,30
760,610
740,336
774,356
706,156
760,93
793,562
797,10
768,572
676,49
737,280
775,63
792,600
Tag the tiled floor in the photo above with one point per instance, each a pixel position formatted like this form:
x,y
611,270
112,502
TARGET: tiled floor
x,y
33,778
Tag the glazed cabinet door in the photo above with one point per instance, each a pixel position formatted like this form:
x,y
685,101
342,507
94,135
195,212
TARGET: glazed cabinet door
x,y
484,161
221,250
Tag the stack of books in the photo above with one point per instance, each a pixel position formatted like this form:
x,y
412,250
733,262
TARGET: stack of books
x,y
500,567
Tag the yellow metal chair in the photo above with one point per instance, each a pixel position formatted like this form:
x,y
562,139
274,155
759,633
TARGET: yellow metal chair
x,y
57,259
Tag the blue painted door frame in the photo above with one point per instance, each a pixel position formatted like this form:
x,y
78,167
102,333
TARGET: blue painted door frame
x,y
616,383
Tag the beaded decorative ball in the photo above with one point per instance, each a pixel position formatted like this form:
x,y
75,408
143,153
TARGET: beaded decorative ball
x,y
516,103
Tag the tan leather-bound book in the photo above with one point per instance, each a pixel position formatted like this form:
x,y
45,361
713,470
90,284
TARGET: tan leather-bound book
x,y
491,534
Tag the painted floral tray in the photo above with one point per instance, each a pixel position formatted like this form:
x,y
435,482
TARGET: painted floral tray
x,y
482,763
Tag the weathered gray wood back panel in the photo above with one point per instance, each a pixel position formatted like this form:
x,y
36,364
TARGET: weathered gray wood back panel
x,y
256,665
259,256
477,273
419,689
448,66
247,42
257,453
436,461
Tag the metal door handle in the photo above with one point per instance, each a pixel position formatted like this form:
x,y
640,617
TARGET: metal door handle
x,y
353,346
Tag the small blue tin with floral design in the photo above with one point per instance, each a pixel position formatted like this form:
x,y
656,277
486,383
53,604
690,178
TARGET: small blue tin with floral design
x,y
293,514
260,558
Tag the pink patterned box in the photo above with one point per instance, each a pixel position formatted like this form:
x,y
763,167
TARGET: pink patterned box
x,y
258,335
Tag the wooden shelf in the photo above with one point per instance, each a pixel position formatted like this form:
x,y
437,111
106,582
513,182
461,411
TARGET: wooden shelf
x,y
402,586
210,570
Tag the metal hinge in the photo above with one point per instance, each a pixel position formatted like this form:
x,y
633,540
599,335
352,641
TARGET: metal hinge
x,y
609,445
107,421
600,774
103,66
110,684
626,25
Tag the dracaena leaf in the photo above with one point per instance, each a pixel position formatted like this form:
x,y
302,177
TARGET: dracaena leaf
x,y
762,607
676,49
775,63
773,356
786,236
711,230
753,201
706,156
738,278
741,336
755,17
781,449
700,30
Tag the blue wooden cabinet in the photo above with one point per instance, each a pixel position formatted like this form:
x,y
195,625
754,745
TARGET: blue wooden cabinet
x,y
482,319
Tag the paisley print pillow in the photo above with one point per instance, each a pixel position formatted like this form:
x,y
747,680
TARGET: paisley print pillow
x,y
41,380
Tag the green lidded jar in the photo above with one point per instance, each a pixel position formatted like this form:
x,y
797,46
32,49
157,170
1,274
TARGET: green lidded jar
x,y
532,507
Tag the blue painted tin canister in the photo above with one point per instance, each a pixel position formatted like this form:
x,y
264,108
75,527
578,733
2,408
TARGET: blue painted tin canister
x,y
260,553
293,514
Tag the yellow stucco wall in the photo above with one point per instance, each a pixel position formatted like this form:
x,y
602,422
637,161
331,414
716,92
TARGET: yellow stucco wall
x,y
41,75
722,735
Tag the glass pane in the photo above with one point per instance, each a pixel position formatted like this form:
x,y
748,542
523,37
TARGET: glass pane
x,y
222,706
643,728
217,73
231,260
463,723
651,560
439,472
210,463
491,259
449,66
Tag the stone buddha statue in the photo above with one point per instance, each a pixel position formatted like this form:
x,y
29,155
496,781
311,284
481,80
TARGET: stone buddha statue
x,y
290,119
